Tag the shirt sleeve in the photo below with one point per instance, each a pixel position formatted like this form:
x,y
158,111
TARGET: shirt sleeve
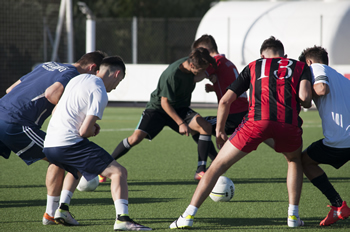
x,y
318,74
241,84
97,103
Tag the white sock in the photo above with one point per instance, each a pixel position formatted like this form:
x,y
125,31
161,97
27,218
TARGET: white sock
x,y
52,204
121,206
66,196
293,210
191,210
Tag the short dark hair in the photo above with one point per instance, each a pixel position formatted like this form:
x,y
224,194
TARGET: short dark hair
x,y
272,43
95,57
316,53
200,57
115,61
208,41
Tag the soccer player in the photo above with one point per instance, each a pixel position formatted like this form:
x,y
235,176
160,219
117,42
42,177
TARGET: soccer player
x,y
331,96
221,77
73,121
278,86
169,106
23,110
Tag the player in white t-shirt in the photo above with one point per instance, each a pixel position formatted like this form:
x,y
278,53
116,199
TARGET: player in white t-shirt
x,y
66,144
331,96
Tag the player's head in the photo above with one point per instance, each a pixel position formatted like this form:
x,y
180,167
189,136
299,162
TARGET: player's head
x,y
315,54
272,47
206,41
199,59
90,62
112,71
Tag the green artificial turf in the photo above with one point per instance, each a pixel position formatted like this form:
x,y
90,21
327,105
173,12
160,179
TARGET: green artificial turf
x,y
160,178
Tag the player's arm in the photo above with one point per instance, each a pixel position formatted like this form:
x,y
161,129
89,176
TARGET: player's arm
x,y
321,89
89,127
305,93
223,112
183,127
200,76
54,92
13,85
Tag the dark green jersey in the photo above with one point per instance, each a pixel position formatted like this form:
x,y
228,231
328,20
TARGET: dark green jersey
x,y
175,85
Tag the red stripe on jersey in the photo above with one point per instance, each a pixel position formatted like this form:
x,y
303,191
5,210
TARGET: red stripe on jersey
x,y
265,89
251,112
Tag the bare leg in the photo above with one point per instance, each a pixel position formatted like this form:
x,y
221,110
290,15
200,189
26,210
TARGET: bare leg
x,y
310,167
54,180
227,156
294,175
118,175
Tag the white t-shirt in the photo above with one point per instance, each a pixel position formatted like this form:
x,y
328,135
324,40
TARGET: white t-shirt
x,y
84,95
334,108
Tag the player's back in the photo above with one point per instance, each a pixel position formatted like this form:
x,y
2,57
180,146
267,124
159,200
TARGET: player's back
x,y
26,103
274,89
334,108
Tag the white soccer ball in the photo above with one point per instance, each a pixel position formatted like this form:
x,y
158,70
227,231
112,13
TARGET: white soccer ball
x,y
87,186
223,190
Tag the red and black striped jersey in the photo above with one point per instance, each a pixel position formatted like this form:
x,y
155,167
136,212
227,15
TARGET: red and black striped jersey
x,y
273,89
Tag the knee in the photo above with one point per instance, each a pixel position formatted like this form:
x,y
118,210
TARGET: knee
x,y
136,138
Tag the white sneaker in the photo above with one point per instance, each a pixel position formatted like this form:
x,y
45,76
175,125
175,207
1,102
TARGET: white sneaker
x,y
182,222
294,221
125,223
48,220
65,218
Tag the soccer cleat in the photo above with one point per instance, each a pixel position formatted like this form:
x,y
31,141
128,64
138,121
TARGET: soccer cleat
x,y
48,220
124,222
65,218
335,214
198,175
182,223
101,179
294,221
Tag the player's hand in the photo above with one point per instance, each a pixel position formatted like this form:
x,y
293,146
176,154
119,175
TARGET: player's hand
x,y
213,78
209,88
97,129
221,138
184,129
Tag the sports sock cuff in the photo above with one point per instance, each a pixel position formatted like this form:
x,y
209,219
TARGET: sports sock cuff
x,y
126,143
293,210
121,206
66,196
191,210
320,179
205,137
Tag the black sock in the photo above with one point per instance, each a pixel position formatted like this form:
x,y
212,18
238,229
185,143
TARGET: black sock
x,y
203,150
212,151
322,183
64,206
122,148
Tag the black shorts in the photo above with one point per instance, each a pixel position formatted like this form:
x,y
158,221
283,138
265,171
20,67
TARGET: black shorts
x,y
232,122
323,154
153,121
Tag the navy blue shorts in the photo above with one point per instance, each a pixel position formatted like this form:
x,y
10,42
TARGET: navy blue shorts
x,y
25,141
153,121
323,154
85,157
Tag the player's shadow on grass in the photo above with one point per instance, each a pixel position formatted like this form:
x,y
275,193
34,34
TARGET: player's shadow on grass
x,y
81,201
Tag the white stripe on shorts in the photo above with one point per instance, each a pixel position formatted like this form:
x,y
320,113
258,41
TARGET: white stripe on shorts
x,y
32,136
20,152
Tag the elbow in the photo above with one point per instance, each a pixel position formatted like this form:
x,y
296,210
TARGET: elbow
x,y
306,102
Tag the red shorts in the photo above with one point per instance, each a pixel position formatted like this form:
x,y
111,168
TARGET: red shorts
x,y
249,134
